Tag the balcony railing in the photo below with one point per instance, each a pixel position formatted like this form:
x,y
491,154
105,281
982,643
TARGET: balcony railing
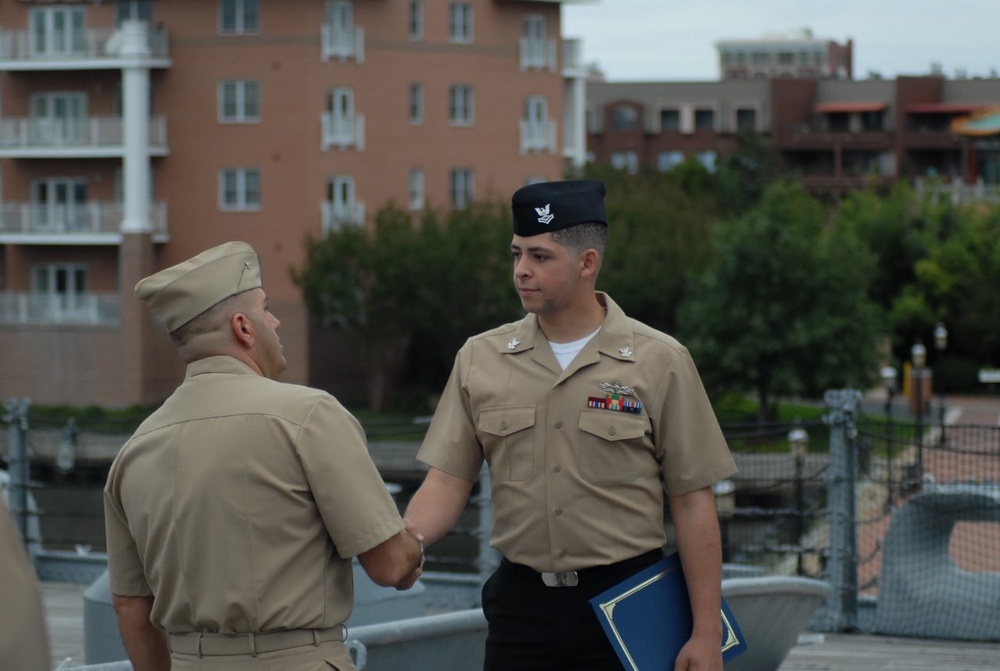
x,y
538,54
958,192
572,58
343,44
91,47
72,221
538,136
71,309
344,131
86,133
336,217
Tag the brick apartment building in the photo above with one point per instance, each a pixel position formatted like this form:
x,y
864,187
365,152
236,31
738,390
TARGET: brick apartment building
x,y
134,134
838,134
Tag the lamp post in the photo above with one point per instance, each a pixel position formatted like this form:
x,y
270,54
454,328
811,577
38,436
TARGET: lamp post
x,y
941,344
918,354
798,442
888,375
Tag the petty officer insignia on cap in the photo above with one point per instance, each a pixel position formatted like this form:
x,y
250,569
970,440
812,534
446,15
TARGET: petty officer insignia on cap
x,y
544,217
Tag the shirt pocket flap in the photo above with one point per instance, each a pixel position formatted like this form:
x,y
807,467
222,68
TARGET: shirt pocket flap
x,y
613,425
507,420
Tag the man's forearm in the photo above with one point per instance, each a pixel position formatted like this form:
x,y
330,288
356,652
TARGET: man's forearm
x,y
145,644
437,505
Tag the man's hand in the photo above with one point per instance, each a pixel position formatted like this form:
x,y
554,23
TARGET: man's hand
x,y
410,580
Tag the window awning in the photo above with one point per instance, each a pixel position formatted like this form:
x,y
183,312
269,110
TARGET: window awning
x,y
944,108
982,123
833,108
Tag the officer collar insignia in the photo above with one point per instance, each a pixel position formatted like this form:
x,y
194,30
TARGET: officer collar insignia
x,y
544,216
513,344
625,352
616,398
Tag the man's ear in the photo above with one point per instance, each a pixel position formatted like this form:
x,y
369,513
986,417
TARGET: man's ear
x,y
243,329
590,262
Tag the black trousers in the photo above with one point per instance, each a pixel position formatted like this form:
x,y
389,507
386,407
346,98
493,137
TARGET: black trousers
x,y
537,628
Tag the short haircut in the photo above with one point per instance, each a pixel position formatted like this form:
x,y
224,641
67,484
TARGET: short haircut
x,y
582,237
208,321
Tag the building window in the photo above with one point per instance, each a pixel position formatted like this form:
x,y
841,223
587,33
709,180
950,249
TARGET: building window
x,y
416,103
416,20
746,119
239,101
624,118
133,9
625,160
707,159
59,204
461,188
704,119
461,105
460,28
667,160
57,31
670,120
416,189
872,121
239,17
239,189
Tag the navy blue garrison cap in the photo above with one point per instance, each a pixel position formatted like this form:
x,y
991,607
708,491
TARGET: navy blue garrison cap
x,y
549,206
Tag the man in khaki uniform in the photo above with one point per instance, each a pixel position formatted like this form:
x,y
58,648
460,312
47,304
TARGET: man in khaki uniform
x,y
234,510
586,418
23,642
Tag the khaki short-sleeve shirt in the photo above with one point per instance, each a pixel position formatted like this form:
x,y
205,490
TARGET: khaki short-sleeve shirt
x,y
239,504
23,640
579,458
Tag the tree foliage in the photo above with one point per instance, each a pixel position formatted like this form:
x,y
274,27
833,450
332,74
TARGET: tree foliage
x,y
784,307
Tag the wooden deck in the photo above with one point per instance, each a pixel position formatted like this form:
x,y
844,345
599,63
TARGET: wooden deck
x,y
816,652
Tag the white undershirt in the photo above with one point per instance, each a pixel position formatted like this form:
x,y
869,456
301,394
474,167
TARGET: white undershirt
x,y
566,351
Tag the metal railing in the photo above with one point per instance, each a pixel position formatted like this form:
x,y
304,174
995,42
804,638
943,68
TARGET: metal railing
x,y
103,132
102,309
81,219
92,44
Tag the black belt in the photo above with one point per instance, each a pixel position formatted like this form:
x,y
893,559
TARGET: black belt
x,y
201,644
586,575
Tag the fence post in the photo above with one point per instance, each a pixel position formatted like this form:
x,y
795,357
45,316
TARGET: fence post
x,y
843,405
16,416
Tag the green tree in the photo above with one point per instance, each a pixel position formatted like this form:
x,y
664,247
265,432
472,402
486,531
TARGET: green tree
x,y
784,306
412,290
745,174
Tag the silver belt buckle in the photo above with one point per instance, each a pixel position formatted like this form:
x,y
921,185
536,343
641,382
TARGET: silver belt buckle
x,y
564,579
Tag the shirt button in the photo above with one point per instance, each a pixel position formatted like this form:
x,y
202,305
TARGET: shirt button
x,y
558,425
503,426
612,431
558,512
557,469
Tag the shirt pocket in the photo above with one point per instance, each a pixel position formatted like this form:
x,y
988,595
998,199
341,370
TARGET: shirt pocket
x,y
508,442
613,448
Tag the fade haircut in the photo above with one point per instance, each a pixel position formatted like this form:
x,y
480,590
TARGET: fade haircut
x,y
582,237
208,321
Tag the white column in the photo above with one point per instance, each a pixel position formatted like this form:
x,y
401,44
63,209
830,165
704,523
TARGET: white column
x,y
135,51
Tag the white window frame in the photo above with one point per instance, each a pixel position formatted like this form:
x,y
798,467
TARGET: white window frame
x,y
415,98
627,160
133,9
58,117
461,105
415,20
417,196
245,17
538,52
342,127
56,31
244,96
538,132
668,160
59,203
462,182
461,23
245,184
341,207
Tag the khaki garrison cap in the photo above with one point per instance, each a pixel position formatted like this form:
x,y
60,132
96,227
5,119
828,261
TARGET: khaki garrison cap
x,y
180,293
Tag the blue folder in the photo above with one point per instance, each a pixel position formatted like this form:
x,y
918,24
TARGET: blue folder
x,y
647,618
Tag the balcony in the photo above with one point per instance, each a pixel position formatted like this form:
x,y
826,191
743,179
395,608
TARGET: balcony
x,y
538,136
91,49
538,54
572,55
336,216
343,131
808,136
86,137
343,43
90,223
90,309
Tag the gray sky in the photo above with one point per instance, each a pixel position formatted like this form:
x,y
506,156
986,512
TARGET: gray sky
x,y
643,40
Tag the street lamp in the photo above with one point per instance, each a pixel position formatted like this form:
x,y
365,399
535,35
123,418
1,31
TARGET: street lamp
x,y
888,375
941,344
798,441
918,354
